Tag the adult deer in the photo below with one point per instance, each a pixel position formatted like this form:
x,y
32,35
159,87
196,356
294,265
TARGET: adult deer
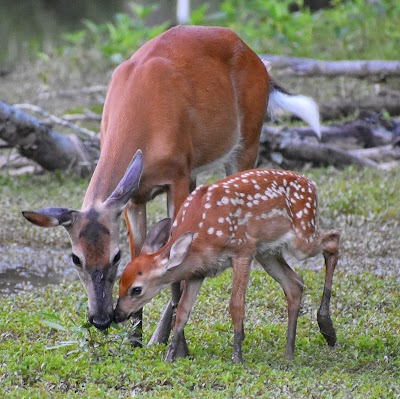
x,y
191,99
251,215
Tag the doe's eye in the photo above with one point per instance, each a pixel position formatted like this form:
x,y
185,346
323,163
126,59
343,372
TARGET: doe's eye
x,y
76,260
135,291
117,257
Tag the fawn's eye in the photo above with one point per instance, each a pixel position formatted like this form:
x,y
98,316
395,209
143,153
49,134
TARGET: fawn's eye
x,y
135,291
117,257
76,260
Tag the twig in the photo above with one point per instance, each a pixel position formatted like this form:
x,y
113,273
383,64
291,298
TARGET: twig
x,y
72,92
87,116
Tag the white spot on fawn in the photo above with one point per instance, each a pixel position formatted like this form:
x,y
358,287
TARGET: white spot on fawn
x,y
225,200
299,214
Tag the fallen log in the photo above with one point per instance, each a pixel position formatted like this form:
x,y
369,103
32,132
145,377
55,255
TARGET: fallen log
x,y
322,155
378,70
349,135
385,153
361,143
41,143
337,108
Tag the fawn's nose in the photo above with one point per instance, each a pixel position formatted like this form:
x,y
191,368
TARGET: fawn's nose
x,y
119,315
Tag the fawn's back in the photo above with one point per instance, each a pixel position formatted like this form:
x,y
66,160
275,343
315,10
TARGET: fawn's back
x,y
261,208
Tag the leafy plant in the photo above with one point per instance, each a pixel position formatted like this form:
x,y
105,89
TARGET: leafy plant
x,y
343,31
119,39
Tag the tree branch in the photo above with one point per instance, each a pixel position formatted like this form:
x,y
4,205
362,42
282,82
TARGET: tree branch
x,y
356,69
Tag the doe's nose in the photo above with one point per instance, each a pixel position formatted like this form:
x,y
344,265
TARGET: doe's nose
x,y
101,322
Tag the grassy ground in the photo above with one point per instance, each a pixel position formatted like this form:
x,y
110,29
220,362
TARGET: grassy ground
x,y
47,350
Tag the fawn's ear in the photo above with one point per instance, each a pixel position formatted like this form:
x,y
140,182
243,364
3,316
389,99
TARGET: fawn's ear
x,y
50,217
157,236
179,250
128,185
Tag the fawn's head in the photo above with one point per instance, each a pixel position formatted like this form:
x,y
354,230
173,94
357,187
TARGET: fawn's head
x,y
94,235
146,275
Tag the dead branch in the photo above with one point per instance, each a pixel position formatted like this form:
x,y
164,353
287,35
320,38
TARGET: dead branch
x,y
348,135
38,141
357,69
337,108
73,92
378,154
86,116
59,121
363,143
322,154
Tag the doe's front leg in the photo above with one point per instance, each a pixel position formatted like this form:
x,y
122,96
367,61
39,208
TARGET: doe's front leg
x,y
178,347
136,223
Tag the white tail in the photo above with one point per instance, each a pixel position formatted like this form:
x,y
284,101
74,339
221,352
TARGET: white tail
x,y
301,106
255,214
191,99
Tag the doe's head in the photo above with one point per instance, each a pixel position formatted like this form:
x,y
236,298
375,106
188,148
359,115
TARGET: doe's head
x,y
94,235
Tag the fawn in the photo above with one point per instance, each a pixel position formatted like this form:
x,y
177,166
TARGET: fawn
x,y
254,214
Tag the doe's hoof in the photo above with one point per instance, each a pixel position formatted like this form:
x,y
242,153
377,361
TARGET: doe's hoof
x,y
327,329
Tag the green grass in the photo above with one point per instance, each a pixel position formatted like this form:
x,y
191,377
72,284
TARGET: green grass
x,y
364,364
367,193
47,350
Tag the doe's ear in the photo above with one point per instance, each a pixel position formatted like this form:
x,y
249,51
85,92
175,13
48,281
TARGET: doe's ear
x,y
180,250
50,217
157,236
128,185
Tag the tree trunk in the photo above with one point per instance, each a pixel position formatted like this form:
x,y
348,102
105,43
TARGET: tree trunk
x,y
39,142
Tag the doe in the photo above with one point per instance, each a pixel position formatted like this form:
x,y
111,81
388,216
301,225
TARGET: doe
x,y
251,215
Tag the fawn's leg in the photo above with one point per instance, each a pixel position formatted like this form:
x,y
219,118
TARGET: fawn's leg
x,y
330,250
241,271
188,298
292,285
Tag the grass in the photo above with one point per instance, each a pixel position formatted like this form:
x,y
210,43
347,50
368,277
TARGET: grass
x,y
47,350
365,363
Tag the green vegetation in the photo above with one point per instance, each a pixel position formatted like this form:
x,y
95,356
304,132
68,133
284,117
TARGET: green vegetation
x,y
47,349
341,32
40,361
349,30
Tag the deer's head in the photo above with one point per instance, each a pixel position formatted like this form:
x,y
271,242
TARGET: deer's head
x,y
145,276
94,234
